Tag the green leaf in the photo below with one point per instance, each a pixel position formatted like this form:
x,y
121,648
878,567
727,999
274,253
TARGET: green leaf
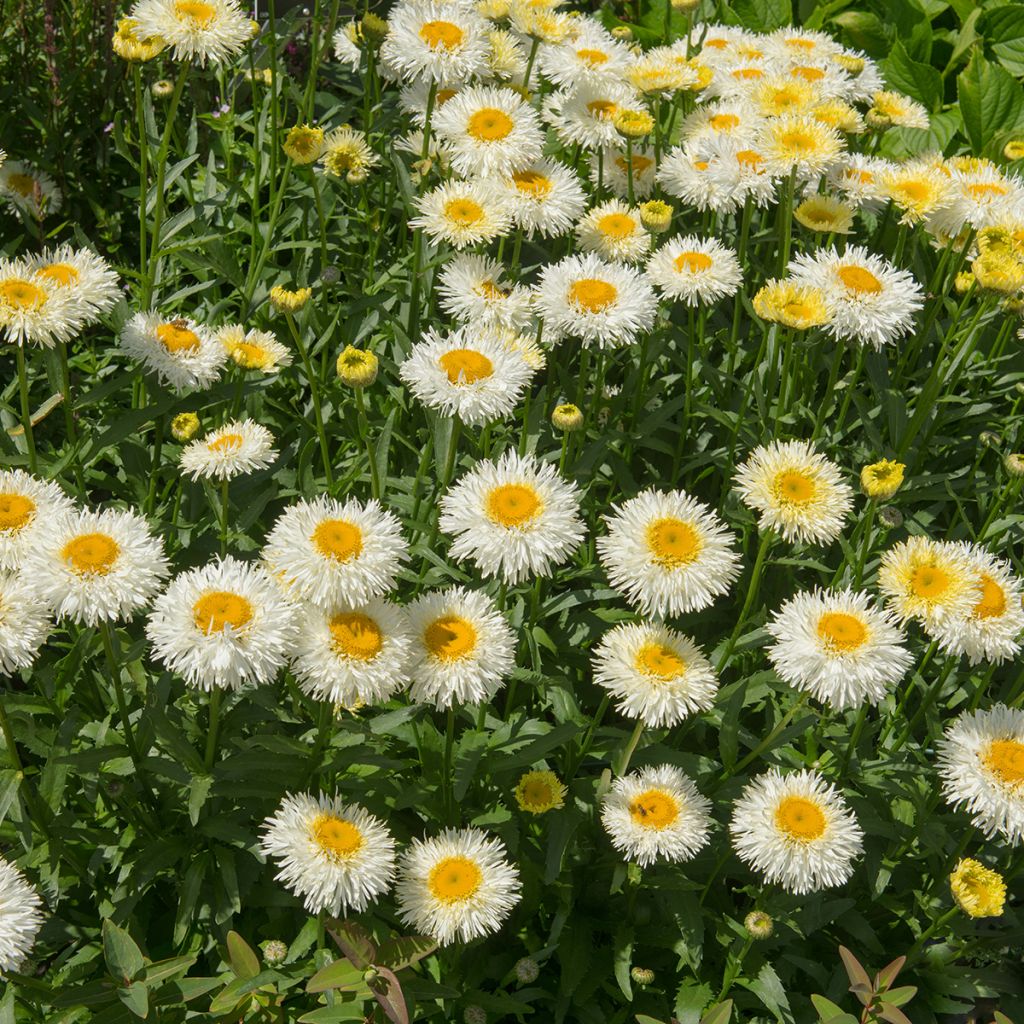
x,y
720,1013
10,781
624,959
354,941
136,998
760,15
899,996
124,958
244,961
991,102
865,31
921,81
405,950
341,975
1003,29
338,1012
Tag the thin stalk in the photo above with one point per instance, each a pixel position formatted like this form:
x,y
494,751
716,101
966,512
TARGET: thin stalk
x,y
630,748
314,391
26,409
752,588
216,695
224,506
364,431
767,742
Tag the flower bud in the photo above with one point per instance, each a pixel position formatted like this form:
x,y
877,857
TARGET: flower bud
x,y
623,33
890,517
474,1015
357,367
162,88
567,417
374,27
1014,463
184,426
642,976
633,124
303,144
274,951
759,925
286,301
527,970
656,215
882,479
1014,149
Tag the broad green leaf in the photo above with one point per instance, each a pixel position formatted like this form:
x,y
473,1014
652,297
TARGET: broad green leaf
x,y
244,962
124,958
760,15
405,950
1003,30
921,81
720,1013
991,103
136,998
340,975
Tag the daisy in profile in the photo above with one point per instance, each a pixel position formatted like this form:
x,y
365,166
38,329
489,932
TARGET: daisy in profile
x,y
20,917
514,518
981,761
474,290
792,304
490,130
797,490
253,349
614,231
225,626
656,674
584,115
458,886
352,657
825,215
546,198
346,47
237,448
603,304
330,552
796,830
917,189
695,270
96,566
667,553
29,509
893,108
25,623
469,373
931,581
203,30
336,857
506,58
30,191
538,792
435,41
870,300
838,647
462,647
31,311
463,213
87,277
993,629
179,351
656,814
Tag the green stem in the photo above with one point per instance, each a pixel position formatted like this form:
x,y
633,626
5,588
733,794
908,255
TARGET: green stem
x,y
630,748
314,391
216,696
26,409
364,431
224,506
767,742
752,588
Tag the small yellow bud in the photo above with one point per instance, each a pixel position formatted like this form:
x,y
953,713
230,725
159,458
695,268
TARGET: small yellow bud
x,y
128,46
1014,149
656,215
964,281
877,119
850,64
374,27
633,124
184,426
162,88
1013,462
567,417
978,891
357,175
303,144
642,976
623,32
759,925
357,367
882,479
685,5
999,274
254,28
286,301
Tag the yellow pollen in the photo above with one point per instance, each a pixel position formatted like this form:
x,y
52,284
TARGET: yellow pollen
x,y
454,880
490,125
808,74
16,511
640,164
655,659
723,122
747,74
750,159
616,225
592,57
592,295
337,838
91,554
249,356
466,212
929,582
673,543
602,109
717,44
21,294
791,486
532,183
23,184
800,819
842,632
338,539
59,273
993,599
197,11
859,279
218,609
983,190
692,262
914,191
441,33
450,638
225,443
356,636
799,142
654,809
1005,760
536,793
489,290
801,44
700,165
176,337
513,505
464,366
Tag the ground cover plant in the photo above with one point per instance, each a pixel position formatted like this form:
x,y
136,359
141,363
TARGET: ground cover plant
x,y
512,512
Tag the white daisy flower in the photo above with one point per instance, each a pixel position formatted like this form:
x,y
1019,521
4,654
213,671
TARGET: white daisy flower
x,y
179,351
20,917
469,373
686,174
463,213
506,58
96,566
514,518
796,830
28,190
656,814
206,30
667,553
330,552
980,197
458,886
462,647
614,231
25,623
737,170
434,41
797,490
29,509
792,42
32,311
695,270
584,116
491,130
838,647
615,166
226,625
253,349
603,304
546,198
236,448
473,289
981,761
722,117
87,277
592,58
656,674
799,142
893,108
414,99
346,50
352,657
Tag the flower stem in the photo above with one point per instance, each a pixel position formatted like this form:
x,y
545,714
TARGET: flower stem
x,y
314,391
26,409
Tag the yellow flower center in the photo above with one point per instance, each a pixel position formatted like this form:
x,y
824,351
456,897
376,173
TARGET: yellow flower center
x,y
513,505
658,660
91,553
723,122
842,632
750,159
450,638
23,184
465,366
225,443
59,273
176,337
859,279
441,33
747,74
700,165
791,486
592,295
692,262
196,11
454,880
16,511
592,57
673,543
337,838
466,212
1005,760
984,190
218,609
913,191
356,636
603,110
490,125
800,819
929,582
798,142
640,164
21,294
616,226
801,44
808,74
532,183
716,44
654,808
250,356
338,539
536,793
489,290
993,599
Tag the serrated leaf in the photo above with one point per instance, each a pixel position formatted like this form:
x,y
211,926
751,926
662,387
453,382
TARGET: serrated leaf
x,y
1003,29
921,81
123,957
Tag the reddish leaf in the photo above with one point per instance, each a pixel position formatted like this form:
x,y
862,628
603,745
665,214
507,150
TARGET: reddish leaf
x,y
392,1002
893,1014
354,941
887,975
857,974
